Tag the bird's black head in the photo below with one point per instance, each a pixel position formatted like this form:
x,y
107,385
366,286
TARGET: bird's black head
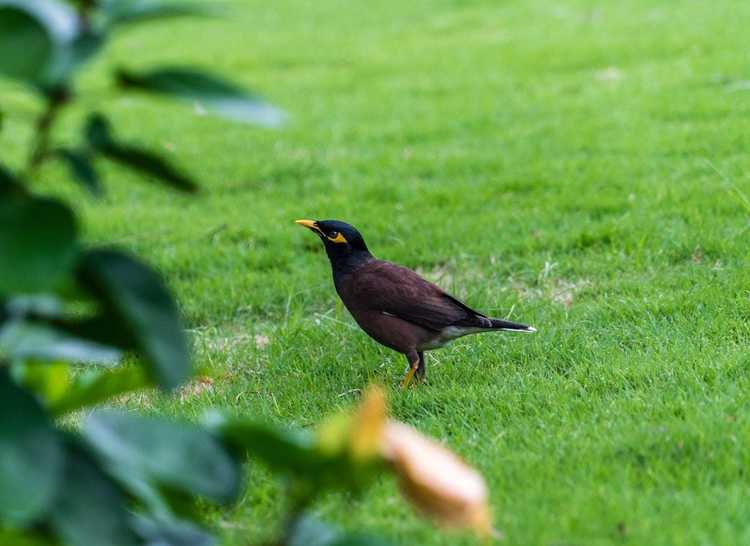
x,y
344,244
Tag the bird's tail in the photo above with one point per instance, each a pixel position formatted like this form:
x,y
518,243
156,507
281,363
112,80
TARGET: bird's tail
x,y
508,326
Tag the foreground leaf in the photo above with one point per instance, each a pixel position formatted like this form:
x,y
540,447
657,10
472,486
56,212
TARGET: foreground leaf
x,y
178,455
41,41
211,92
90,509
26,48
354,439
48,381
13,537
37,245
92,388
21,340
99,135
37,305
7,180
295,453
136,297
31,455
104,328
81,49
309,531
156,532
120,12
281,449
357,539
10,186
81,170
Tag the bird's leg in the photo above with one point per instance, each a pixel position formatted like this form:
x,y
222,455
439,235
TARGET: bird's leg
x,y
413,358
422,368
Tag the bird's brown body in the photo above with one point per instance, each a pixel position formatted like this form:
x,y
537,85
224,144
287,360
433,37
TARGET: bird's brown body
x,y
372,294
394,305
400,309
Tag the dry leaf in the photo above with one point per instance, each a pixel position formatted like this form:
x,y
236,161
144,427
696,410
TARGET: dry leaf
x,y
361,432
368,425
436,481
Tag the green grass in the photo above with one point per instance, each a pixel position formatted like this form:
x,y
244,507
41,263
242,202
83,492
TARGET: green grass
x,y
580,166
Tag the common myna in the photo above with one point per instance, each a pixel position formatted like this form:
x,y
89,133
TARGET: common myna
x,y
394,305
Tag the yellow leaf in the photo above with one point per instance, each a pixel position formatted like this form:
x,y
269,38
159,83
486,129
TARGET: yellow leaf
x,y
436,481
366,434
359,433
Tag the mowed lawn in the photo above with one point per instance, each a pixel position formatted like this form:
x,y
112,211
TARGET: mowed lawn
x,y
580,166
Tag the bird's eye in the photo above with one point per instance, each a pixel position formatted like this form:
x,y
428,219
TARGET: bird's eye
x,y
333,234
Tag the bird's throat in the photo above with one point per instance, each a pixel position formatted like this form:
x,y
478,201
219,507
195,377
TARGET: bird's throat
x,y
345,263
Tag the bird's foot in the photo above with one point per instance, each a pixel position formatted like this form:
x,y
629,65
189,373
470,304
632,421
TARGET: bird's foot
x,y
406,381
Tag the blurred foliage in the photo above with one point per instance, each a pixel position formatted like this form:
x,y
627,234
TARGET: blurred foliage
x,y
69,312
121,479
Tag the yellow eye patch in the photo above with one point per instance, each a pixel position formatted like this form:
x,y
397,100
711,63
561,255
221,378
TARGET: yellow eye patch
x,y
338,239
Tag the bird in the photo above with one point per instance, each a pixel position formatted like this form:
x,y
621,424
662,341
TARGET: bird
x,y
393,304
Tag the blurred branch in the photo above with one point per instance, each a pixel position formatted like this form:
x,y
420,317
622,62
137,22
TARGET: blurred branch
x,y
56,99
85,7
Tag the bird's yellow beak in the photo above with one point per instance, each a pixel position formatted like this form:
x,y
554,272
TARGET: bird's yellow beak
x,y
313,226
309,224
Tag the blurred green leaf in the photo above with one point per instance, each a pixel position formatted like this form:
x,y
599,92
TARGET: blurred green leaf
x,y
12,537
26,48
157,501
135,295
94,387
22,340
31,455
98,131
104,329
37,245
40,41
119,12
150,164
73,54
309,531
179,455
90,509
212,93
99,136
291,451
81,169
160,532
148,493
358,539
6,178
37,305
9,185
85,45
48,382
296,453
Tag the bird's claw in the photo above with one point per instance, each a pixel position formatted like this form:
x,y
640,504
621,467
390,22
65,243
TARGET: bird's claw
x,y
406,381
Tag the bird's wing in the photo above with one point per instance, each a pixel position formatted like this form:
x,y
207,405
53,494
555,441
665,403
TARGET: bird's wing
x,y
392,289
